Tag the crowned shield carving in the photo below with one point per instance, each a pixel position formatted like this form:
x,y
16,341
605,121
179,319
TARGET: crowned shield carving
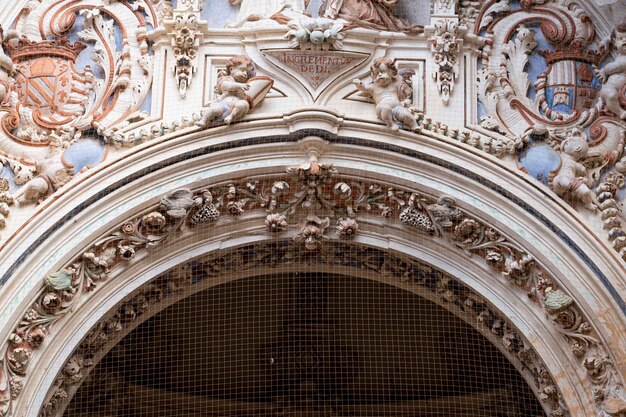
x,y
569,84
48,83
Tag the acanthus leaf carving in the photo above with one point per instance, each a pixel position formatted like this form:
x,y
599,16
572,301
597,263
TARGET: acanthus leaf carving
x,y
558,93
518,52
75,93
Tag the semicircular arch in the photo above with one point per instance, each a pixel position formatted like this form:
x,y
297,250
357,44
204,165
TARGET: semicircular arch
x,y
188,162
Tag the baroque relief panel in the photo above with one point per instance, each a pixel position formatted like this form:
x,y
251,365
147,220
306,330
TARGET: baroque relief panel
x,y
550,91
70,70
557,89
535,83
314,212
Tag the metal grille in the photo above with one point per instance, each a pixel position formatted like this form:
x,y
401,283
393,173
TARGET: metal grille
x,y
312,344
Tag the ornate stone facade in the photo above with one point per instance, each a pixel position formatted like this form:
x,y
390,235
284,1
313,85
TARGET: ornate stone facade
x,y
493,128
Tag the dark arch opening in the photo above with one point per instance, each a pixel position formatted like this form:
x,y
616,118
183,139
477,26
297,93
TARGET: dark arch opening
x,y
305,345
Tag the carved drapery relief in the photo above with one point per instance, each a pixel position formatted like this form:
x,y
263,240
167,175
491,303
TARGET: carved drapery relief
x,y
305,205
278,11
371,14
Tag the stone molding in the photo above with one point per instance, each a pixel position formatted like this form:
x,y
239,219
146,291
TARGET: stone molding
x,y
456,157
461,184
504,49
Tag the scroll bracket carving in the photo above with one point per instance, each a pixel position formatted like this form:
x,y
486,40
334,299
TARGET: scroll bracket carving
x,y
185,30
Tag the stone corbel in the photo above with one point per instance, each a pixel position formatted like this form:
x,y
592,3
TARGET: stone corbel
x,y
446,38
184,32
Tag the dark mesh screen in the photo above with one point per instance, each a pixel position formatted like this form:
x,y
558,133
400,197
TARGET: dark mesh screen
x,y
304,345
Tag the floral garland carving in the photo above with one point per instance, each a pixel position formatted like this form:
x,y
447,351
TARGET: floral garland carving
x,y
6,199
611,211
307,199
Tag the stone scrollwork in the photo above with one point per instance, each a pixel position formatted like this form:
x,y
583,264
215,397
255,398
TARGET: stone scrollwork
x,y
548,81
305,204
52,94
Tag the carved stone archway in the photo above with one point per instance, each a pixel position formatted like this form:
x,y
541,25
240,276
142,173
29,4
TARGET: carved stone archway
x,y
495,155
346,259
577,356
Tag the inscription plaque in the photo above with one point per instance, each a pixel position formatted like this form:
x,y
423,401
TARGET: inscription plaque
x,y
315,67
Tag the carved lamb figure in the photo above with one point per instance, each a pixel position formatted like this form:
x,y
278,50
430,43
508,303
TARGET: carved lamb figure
x,y
571,177
391,92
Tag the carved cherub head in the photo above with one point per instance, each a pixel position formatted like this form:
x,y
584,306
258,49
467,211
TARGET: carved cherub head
x,y
618,38
383,71
575,144
240,68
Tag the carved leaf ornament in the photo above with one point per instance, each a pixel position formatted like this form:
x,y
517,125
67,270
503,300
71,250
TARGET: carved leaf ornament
x,y
312,200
